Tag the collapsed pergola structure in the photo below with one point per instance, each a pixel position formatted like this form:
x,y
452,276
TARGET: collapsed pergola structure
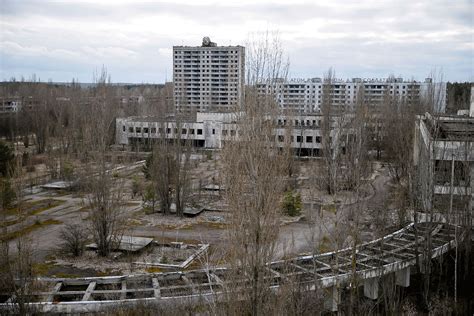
x,y
395,253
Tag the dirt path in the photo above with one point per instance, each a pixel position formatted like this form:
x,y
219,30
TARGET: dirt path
x,y
294,238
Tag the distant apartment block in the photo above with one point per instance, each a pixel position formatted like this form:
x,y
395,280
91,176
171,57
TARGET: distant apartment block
x,y
307,95
208,77
10,105
15,104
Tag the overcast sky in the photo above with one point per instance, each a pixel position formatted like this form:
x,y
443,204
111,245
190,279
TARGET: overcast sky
x,y
61,40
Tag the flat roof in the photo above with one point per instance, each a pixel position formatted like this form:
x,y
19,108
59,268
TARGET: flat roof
x,y
208,47
454,129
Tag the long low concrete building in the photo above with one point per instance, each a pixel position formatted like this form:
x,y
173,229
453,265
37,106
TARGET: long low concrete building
x,y
212,130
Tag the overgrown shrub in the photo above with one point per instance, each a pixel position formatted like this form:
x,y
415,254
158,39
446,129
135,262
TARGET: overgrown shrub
x,y
30,168
73,239
6,158
147,166
7,194
137,186
292,204
25,159
67,170
150,198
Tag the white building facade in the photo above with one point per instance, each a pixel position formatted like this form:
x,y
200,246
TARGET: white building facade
x,y
306,95
212,130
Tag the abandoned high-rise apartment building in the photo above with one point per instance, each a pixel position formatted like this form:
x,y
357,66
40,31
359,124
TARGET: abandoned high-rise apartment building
x,y
208,77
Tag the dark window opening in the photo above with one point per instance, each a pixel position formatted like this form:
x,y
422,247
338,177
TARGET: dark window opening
x,y
443,173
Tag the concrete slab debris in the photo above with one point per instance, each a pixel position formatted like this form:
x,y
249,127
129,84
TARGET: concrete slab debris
x,y
58,185
129,243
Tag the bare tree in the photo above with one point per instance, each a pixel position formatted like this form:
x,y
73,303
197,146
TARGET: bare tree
x,y
356,159
253,172
101,183
398,137
330,126
161,168
16,260
168,167
182,176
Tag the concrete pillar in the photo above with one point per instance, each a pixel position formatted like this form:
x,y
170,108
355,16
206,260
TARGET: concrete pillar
x,y
422,266
371,288
403,277
332,299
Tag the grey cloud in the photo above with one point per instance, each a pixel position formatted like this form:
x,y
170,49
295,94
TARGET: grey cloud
x,y
404,37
